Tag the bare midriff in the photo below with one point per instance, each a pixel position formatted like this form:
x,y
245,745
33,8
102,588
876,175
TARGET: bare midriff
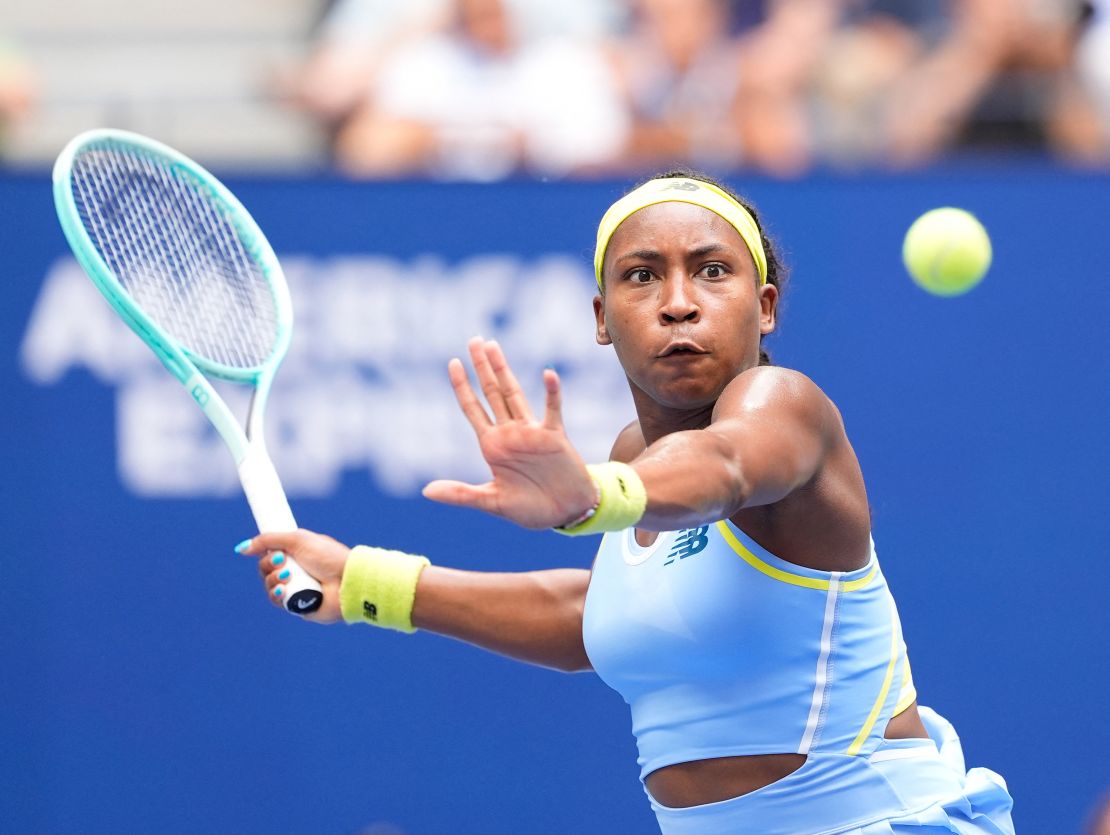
x,y
709,781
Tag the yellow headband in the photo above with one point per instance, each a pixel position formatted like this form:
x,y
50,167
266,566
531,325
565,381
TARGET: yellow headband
x,y
681,190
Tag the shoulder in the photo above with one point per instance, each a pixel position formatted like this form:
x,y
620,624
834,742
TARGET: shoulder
x,y
781,393
629,443
773,383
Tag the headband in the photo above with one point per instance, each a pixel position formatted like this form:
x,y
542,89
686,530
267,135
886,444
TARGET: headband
x,y
682,190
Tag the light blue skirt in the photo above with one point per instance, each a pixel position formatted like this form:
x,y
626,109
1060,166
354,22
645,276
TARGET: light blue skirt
x,y
905,786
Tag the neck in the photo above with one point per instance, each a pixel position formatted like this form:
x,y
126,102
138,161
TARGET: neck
x,y
657,420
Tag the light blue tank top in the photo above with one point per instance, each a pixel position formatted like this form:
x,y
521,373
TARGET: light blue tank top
x,y
722,649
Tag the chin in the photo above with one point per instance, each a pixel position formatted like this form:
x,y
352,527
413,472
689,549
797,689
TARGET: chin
x,y
687,393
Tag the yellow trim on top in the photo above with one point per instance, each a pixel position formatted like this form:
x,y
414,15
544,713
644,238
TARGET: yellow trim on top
x,y
908,698
876,708
786,576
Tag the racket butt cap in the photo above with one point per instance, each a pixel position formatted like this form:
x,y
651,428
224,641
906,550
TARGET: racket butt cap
x,y
305,601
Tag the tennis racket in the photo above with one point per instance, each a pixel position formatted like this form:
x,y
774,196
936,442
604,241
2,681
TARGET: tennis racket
x,y
190,272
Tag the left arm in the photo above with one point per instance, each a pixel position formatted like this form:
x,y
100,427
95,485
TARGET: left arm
x,y
770,433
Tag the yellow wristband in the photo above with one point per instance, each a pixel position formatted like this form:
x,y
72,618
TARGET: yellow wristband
x,y
379,587
622,501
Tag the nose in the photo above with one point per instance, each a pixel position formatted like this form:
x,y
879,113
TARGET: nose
x,y
677,302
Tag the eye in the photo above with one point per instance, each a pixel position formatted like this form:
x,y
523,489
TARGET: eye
x,y
639,275
713,271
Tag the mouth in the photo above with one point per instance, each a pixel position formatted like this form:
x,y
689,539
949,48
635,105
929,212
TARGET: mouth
x,y
682,348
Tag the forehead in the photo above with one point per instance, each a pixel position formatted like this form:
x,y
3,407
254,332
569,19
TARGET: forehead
x,y
673,224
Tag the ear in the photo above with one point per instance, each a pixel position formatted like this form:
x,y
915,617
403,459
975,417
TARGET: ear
x,y
602,334
768,308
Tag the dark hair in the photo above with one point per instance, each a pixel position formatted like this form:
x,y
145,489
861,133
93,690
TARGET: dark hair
x,y
776,269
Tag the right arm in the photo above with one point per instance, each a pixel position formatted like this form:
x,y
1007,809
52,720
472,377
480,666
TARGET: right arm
x,y
532,616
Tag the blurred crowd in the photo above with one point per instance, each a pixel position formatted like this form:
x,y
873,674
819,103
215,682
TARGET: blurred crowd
x,y
482,89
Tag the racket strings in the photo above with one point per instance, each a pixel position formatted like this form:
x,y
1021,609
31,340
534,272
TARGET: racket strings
x,y
178,254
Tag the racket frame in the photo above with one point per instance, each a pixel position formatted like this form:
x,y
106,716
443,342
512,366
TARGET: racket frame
x,y
248,448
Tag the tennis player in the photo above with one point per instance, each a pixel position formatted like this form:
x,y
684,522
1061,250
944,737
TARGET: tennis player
x,y
736,601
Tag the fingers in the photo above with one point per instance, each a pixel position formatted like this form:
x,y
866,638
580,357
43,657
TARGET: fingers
x,y
275,571
274,564
553,413
487,380
467,399
460,494
501,389
510,389
283,541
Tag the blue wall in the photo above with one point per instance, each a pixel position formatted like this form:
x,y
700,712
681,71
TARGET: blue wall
x,y
147,686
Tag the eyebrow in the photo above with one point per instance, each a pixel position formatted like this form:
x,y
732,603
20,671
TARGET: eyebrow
x,y
654,255
640,255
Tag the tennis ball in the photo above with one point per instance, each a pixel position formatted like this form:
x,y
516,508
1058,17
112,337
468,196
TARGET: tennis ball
x,y
947,251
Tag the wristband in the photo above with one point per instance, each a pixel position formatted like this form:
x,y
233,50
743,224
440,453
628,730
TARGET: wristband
x,y
379,587
621,502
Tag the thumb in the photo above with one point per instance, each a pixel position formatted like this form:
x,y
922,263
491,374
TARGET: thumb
x,y
460,494
274,541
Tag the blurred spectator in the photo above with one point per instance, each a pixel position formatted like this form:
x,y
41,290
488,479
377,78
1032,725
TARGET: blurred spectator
x,y
1001,73
591,20
478,101
679,72
1099,822
354,39
17,89
781,61
864,81
481,89
1094,68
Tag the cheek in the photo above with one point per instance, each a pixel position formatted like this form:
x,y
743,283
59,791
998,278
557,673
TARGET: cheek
x,y
618,323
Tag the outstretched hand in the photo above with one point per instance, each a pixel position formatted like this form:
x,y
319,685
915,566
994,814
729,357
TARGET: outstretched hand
x,y
539,479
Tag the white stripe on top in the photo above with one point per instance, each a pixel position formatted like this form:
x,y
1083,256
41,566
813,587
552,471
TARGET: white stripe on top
x,y
821,678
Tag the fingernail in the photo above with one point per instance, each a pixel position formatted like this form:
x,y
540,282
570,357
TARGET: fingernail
x,y
277,591
283,574
278,558
242,546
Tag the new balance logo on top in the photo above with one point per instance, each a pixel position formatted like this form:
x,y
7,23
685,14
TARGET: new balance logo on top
x,y
691,541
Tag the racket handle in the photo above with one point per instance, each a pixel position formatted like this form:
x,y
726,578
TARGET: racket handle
x,y
266,497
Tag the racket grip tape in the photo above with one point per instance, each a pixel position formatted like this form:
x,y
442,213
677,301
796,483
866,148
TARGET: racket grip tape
x,y
301,594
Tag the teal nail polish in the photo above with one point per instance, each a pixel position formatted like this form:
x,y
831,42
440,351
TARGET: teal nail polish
x,y
277,591
242,546
278,558
284,575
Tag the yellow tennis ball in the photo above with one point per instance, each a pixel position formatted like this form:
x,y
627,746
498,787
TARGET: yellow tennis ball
x,y
947,251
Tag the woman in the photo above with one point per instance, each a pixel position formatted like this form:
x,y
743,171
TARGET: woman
x,y
736,601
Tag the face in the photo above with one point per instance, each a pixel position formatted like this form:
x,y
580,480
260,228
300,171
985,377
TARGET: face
x,y
682,305
684,28
486,23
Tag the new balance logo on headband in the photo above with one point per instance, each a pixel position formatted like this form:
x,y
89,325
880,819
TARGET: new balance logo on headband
x,y
682,185
691,541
